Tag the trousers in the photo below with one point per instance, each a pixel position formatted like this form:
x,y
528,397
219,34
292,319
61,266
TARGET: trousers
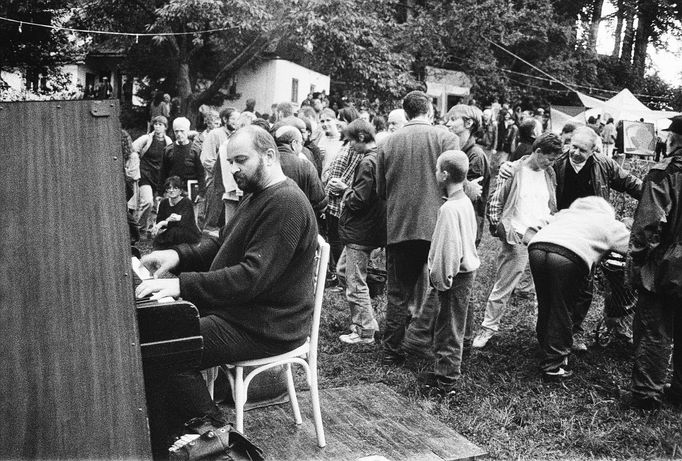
x,y
657,326
556,277
450,327
352,272
411,302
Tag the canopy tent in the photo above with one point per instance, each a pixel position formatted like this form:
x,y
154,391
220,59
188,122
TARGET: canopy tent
x,y
623,106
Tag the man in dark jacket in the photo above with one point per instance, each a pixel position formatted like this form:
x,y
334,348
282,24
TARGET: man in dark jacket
x,y
300,169
406,162
582,172
179,159
362,228
656,270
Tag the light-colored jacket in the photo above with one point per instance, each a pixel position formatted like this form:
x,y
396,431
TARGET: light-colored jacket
x,y
588,228
503,205
141,145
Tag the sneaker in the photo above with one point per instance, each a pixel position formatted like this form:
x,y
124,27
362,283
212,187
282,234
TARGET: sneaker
x,y
483,337
354,338
558,375
579,344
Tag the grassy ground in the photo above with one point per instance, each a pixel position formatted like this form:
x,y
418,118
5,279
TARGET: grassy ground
x,y
502,404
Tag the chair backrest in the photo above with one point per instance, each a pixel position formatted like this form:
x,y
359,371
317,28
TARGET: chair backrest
x,y
321,262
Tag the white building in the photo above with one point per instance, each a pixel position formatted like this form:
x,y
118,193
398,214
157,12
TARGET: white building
x,y
447,87
276,80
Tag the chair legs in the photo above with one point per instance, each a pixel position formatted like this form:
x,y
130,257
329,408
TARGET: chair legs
x,y
292,395
240,392
315,402
239,398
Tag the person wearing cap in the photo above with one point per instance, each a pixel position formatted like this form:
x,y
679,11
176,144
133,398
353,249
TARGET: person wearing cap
x,y
656,270
150,149
179,159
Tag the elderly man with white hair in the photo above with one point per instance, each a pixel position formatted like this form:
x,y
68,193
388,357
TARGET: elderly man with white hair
x,y
179,159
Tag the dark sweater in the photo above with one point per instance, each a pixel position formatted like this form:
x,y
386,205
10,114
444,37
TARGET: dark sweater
x,y
177,232
185,162
305,175
258,274
576,185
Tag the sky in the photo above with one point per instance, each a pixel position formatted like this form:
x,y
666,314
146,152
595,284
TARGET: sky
x,y
667,62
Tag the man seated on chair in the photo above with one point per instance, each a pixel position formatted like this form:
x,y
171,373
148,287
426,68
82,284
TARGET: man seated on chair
x,y
253,285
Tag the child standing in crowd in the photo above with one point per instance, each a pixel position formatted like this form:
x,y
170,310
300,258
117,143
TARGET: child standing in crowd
x,y
175,221
452,263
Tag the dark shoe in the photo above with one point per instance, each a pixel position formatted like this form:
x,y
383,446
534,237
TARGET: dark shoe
x,y
331,281
391,359
427,379
672,396
645,403
417,363
556,376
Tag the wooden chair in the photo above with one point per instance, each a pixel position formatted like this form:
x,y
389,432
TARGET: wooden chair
x,y
305,355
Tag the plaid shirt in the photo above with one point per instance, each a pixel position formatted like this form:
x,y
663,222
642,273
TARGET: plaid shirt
x,y
342,167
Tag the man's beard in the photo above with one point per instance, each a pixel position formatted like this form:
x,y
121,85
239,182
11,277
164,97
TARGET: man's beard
x,y
254,183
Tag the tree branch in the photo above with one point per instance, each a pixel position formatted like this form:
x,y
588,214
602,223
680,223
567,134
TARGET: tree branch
x,y
245,57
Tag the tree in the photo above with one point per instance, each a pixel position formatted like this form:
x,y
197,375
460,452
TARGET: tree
x,y
346,37
34,50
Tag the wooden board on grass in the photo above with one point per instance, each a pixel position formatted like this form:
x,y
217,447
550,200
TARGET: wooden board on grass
x,y
359,421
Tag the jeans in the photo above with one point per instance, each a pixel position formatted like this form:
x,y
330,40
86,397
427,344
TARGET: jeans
x,y
173,399
410,299
512,261
145,206
657,324
335,245
451,324
352,272
555,280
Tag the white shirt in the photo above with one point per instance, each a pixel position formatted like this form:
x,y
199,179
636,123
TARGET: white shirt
x,y
533,204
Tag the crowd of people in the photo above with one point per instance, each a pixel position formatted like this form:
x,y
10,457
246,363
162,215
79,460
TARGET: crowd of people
x,y
422,188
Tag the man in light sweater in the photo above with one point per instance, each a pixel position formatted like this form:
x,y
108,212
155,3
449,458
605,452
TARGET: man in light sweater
x,y
252,284
452,263
561,256
521,205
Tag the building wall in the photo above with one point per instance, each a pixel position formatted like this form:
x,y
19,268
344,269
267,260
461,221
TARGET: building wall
x,y
270,82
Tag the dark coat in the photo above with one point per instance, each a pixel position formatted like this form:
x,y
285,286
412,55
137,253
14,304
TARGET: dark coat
x,y
656,237
363,212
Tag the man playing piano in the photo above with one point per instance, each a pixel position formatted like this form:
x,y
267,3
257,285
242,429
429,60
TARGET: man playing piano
x,y
252,284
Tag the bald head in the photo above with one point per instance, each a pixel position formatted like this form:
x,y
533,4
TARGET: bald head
x,y
455,163
396,120
289,136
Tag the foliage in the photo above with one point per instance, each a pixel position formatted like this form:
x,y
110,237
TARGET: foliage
x,y
34,50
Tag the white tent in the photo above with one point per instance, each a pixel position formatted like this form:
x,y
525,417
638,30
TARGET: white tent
x,y
623,106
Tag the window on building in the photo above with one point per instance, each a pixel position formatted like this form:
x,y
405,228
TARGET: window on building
x,y
294,90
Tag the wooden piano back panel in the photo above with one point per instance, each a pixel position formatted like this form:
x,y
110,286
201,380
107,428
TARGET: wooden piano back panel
x,y
70,371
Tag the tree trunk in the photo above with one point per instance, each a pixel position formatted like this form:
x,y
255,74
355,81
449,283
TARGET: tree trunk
x,y
597,6
629,36
619,30
648,11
